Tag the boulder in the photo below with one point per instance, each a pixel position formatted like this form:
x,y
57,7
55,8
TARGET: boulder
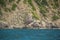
x,y
3,25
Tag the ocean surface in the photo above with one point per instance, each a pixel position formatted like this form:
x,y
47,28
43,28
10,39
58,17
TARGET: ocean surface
x,y
29,34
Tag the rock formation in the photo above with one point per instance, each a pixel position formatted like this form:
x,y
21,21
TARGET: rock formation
x,y
30,14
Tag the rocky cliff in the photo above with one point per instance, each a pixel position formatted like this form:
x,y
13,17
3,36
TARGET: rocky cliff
x,y
30,14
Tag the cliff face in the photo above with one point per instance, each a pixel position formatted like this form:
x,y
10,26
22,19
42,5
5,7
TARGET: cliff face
x,y
30,14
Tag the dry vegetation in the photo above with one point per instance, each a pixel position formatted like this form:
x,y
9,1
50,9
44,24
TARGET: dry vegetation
x,y
47,9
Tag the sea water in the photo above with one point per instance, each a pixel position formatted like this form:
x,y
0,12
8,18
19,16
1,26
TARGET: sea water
x,y
29,34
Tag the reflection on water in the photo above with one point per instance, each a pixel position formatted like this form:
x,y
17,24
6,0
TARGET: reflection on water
x,y
30,34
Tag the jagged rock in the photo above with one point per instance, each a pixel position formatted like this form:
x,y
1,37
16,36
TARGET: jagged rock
x,y
51,25
28,19
18,19
57,22
43,24
3,25
35,24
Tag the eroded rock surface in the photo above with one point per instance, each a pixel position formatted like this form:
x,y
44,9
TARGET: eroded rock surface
x,y
25,17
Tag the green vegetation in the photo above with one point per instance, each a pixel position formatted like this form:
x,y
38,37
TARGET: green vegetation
x,y
43,10
2,3
7,9
25,1
42,4
0,12
55,4
11,1
18,1
30,3
35,15
55,17
14,6
58,12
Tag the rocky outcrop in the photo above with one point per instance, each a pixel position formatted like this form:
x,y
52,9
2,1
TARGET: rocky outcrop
x,y
25,17
3,25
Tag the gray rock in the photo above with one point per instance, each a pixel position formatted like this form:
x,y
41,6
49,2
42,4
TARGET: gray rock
x,y
35,24
28,19
3,25
50,25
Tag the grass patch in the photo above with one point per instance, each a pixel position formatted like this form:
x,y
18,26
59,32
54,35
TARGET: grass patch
x,y
30,3
1,13
18,1
14,6
11,1
55,17
43,10
58,12
41,2
56,5
42,7
35,15
44,2
2,3
25,1
7,9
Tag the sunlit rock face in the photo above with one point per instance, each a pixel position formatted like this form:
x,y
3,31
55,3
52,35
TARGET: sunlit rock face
x,y
3,25
32,14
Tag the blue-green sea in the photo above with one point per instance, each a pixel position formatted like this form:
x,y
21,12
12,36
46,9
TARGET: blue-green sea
x,y
29,34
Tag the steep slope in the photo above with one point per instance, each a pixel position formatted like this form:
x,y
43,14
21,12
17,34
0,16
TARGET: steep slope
x,y
30,13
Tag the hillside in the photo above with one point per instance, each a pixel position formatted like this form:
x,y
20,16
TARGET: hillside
x,y
30,14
